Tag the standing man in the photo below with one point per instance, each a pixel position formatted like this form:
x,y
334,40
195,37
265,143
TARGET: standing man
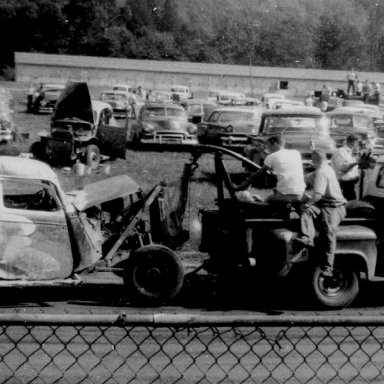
x,y
345,163
351,78
327,204
286,164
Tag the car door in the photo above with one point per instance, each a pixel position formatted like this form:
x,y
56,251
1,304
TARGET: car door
x,y
112,138
213,126
34,237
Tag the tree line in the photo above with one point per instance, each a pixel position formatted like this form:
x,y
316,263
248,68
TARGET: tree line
x,y
322,34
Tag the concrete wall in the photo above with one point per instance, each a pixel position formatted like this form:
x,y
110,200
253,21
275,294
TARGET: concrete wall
x,y
103,72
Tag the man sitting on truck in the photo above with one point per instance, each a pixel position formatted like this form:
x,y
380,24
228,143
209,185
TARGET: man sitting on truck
x,y
327,205
286,164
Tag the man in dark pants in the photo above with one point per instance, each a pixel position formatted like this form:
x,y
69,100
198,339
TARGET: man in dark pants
x,y
327,207
345,163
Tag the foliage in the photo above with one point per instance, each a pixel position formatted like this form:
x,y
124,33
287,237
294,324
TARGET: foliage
x,y
327,34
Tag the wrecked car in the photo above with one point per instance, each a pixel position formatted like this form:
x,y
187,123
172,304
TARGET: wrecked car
x,y
81,129
52,238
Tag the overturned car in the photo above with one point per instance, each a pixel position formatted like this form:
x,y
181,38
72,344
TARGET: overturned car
x,y
81,129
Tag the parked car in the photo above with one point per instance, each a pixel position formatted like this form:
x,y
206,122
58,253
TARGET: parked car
x,y
303,129
81,129
225,98
45,98
230,127
161,96
198,109
50,238
126,88
181,92
118,100
284,103
10,137
163,123
267,99
348,120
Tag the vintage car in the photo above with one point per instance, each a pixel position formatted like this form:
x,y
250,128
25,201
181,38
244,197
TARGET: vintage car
x,y
230,127
198,109
267,99
81,130
303,129
225,98
180,92
162,123
284,103
126,88
50,238
161,96
45,98
352,120
118,100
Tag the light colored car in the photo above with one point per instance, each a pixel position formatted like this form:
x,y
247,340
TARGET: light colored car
x,y
163,123
224,97
268,99
230,127
284,103
181,92
118,100
161,96
123,88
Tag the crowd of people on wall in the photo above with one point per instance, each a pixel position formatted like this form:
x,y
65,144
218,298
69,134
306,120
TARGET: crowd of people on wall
x,y
369,91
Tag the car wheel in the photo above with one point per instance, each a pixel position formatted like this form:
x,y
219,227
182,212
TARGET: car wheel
x,y
337,291
153,276
92,156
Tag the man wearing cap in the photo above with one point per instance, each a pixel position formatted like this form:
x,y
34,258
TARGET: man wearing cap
x,y
345,163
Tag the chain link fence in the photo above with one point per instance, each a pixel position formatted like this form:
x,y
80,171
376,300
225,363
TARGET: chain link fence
x,y
190,349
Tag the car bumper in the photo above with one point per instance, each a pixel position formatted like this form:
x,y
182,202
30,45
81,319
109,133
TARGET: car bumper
x,y
234,141
169,138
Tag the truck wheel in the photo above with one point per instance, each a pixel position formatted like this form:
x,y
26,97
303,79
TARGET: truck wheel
x,y
92,156
335,292
154,275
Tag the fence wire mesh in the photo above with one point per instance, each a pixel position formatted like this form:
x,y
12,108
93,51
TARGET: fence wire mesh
x,y
180,350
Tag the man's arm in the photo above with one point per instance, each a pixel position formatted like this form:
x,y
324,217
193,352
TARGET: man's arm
x,y
248,181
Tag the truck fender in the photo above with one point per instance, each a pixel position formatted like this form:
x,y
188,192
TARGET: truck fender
x,y
356,258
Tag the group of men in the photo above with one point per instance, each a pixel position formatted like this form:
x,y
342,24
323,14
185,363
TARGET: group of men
x,y
331,185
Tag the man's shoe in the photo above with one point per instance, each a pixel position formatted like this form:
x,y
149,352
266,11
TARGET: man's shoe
x,y
304,241
327,271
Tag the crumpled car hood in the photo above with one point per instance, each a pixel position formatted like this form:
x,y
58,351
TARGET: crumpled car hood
x,y
74,103
102,191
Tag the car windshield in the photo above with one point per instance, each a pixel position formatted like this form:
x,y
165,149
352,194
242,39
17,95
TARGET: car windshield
x,y
108,96
296,125
226,117
180,90
175,112
351,122
118,88
194,108
154,112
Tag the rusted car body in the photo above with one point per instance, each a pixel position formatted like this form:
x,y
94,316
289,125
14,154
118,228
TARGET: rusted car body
x,y
49,237
81,129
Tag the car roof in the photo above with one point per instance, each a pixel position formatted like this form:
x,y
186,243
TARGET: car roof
x,y
52,85
114,91
153,104
299,110
200,101
26,168
351,110
185,87
237,109
122,85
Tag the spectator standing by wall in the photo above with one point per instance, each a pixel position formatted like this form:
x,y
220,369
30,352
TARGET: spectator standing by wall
x,y
351,79
359,87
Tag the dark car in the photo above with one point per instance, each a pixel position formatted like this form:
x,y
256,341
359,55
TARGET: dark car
x,y
118,100
81,129
353,120
45,98
198,109
230,127
303,129
163,123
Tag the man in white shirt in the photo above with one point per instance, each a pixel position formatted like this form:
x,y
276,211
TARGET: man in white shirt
x,y
345,164
286,164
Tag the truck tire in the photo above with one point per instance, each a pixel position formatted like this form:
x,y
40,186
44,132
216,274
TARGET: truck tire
x,y
335,292
92,156
154,275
